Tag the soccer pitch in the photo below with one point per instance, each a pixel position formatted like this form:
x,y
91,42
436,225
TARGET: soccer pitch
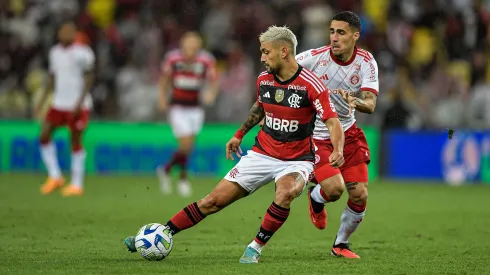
x,y
408,229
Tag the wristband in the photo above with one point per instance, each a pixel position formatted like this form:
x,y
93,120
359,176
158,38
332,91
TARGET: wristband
x,y
239,134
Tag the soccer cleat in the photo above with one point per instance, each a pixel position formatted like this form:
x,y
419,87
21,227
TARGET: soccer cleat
x,y
250,256
130,244
184,188
51,184
71,191
165,183
319,220
342,250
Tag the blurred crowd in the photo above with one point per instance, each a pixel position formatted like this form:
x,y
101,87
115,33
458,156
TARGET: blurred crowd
x,y
432,54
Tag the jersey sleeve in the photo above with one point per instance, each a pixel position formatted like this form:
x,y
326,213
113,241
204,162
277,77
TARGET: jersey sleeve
x,y
369,76
259,99
319,95
306,60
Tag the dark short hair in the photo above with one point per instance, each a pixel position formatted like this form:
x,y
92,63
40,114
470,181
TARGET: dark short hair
x,y
350,17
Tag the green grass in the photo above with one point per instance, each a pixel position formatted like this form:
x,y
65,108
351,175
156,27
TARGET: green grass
x,y
409,229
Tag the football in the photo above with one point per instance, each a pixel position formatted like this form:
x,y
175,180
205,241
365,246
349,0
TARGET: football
x,y
154,242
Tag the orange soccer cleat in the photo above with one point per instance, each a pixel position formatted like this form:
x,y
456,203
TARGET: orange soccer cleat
x,y
71,191
318,218
342,250
51,184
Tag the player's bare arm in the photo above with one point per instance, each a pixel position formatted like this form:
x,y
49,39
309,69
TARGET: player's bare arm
x,y
337,137
164,83
44,94
212,91
233,146
366,103
88,81
256,115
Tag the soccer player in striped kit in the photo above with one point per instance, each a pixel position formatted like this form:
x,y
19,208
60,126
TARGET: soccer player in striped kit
x,y
186,71
289,97
351,74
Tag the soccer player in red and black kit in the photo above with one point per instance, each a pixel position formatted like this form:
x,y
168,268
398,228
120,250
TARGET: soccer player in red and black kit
x,y
289,97
187,71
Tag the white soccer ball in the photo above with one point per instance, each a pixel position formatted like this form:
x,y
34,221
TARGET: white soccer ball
x,y
154,242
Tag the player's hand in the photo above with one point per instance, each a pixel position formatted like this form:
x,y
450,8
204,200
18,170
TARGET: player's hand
x,y
336,159
233,147
208,99
162,105
261,123
77,111
38,111
349,99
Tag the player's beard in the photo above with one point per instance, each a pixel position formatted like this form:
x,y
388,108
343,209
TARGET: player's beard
x,y
271,69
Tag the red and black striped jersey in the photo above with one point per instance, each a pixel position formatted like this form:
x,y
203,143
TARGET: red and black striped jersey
x,y
188,77
290,109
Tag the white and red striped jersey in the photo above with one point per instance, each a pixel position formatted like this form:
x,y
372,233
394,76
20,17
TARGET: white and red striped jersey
x,y
68,65
188,77
360,73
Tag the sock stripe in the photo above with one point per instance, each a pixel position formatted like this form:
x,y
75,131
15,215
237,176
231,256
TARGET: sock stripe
x,y
195,212
198,211
189,214
281,214
280,218
355,207
275,212
279,211
279,207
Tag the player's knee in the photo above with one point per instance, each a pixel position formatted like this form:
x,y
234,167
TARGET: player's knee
x,y
211,204
359,194
333,189
284,196
44,139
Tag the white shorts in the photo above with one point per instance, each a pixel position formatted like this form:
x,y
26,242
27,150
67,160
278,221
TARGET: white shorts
x,y
255,170
186,121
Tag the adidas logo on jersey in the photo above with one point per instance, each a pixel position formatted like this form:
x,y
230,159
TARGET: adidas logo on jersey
x,y
267,95
324,77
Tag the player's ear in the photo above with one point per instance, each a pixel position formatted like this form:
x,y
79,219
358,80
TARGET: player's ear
x,y
356,36
284,51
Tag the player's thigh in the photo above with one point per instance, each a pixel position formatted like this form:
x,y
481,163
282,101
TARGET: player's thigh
x,y
224,194
356,180
292,179
78,125
180,121
253,171
53,119
197,120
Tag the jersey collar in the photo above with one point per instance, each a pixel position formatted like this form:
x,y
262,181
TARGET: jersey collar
x,y
342,63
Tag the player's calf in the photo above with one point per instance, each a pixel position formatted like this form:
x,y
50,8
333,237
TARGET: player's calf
x,y
328,190
288,187
225,193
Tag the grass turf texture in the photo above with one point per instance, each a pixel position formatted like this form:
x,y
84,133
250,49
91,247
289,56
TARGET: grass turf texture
x,y
409,229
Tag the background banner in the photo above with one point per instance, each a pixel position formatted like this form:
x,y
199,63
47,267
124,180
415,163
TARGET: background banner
x,y
126,148
432,155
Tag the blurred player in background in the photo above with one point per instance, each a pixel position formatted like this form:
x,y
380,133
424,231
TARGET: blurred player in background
x,y
288,97
70,69
351,74
186,71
